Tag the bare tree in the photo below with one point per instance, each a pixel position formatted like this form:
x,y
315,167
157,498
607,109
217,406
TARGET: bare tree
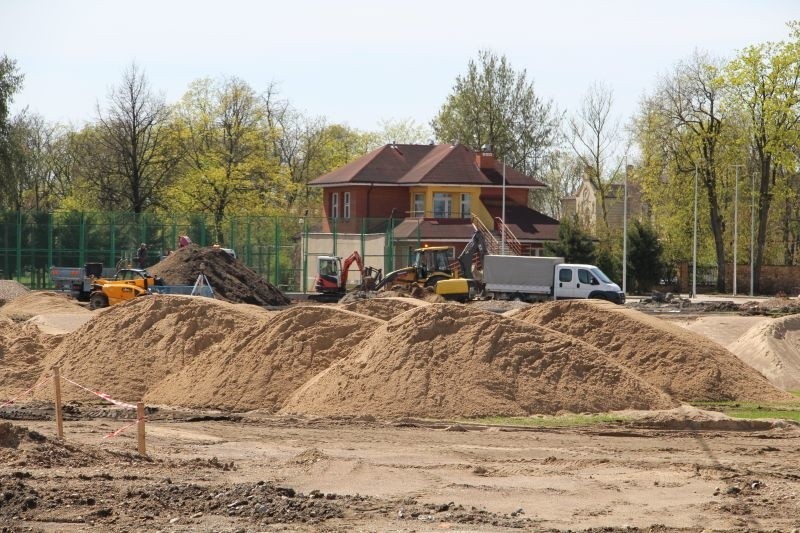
x,y
137,152
594,135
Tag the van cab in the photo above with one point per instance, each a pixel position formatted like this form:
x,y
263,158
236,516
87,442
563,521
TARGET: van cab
x,y
585,281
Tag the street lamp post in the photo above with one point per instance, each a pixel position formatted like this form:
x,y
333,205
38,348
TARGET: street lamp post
x,y
503,217
625,232
735,227
752,227
694,239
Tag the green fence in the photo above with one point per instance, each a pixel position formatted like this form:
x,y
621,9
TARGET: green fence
x,y
282,249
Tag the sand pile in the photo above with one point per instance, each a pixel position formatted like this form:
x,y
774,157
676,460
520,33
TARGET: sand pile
x,y
773,348
31,304
261,369
448,360
22,352
679,362
231,279
383,308
128,348
11,289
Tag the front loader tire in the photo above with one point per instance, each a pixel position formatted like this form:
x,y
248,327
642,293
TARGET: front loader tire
x,y
98,300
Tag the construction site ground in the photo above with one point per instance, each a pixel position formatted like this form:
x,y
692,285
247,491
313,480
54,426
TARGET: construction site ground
x,y
347,417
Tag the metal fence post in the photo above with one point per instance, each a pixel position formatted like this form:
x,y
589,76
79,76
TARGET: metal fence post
x,y
19,245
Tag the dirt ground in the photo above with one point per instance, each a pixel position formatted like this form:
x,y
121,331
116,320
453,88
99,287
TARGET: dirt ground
x,y
682,469
346,475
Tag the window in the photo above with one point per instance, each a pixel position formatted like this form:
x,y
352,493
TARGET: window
x,y
419,205
466,204
335,205
346,205
565,275
584,276
442,205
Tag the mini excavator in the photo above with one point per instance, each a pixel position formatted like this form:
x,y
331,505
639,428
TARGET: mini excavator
x,y
332,273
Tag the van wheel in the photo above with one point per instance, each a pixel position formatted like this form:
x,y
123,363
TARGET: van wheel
x,y
98,300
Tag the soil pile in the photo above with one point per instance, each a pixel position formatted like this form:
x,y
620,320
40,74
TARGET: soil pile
x,y
22,350
261,369
31,304
128,348
448,360
10,289
773,348
383,308
231,280
681,363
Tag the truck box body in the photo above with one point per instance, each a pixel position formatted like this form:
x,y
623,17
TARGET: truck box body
x,y
518,274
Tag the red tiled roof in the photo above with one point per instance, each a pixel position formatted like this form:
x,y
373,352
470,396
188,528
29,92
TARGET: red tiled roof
x,y
525,223
412,164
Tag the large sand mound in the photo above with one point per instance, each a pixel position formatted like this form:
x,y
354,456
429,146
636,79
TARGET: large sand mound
x,y
679,362
448,360
130,347
773,348
261,369
231,279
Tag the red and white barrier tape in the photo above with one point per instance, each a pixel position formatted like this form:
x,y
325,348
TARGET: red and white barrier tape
x,y
120,430
29,391
102,395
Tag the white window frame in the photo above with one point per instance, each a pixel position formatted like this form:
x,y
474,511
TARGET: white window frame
x,y
418,210
334,205
447,198
346,205
465,201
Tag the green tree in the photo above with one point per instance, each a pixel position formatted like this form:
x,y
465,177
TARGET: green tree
x,y
645,265
765,84
10,83
225,168
574,244
686,122
494,104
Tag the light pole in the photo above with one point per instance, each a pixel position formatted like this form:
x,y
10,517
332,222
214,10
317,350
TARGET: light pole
x,y
735,226
694,239
503,217
752,228
625,232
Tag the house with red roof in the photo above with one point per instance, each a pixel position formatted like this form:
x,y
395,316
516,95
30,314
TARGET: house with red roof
x,y
435,195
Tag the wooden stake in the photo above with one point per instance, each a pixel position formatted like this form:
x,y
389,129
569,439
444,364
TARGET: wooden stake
x,y
140,427
59,414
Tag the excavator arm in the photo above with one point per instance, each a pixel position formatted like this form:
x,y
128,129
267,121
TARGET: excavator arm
x,y
475,246
355,256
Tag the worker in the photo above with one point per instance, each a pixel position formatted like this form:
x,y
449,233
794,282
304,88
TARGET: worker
x,y
141,255
184,241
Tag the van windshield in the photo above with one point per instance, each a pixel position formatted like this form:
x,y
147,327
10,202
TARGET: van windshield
x,y
600,275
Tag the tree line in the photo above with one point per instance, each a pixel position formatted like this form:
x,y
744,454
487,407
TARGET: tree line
x,y
226,148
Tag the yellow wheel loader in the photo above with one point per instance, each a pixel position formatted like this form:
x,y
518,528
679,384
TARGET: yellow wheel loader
x,y
127,284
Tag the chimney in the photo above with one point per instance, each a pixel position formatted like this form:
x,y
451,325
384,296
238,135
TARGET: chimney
x,y
485,158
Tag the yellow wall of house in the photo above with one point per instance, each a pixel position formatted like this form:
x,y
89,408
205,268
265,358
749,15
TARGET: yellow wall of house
x,y
476,206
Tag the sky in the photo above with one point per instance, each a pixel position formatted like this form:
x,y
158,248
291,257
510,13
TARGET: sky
x,y
360,62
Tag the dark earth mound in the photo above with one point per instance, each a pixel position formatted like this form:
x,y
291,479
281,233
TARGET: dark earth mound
x,y
231,279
